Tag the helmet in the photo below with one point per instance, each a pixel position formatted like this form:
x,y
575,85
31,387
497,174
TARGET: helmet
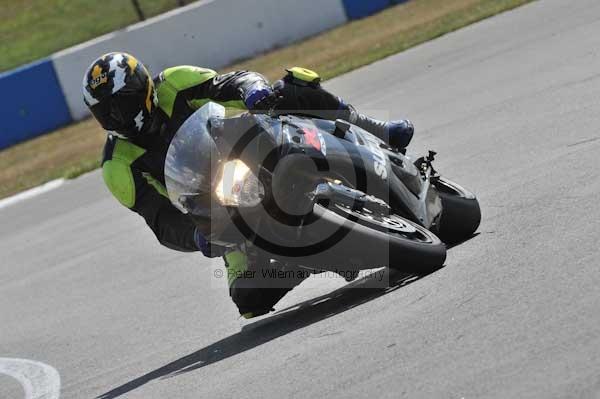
x,y
120,93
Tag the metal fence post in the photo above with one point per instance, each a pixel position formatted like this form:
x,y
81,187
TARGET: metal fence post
x,y
138,9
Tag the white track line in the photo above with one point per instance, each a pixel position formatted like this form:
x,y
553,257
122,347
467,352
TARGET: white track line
x,y
39,380
34,192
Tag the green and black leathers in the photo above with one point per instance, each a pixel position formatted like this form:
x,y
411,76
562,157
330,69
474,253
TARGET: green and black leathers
x,y
133,169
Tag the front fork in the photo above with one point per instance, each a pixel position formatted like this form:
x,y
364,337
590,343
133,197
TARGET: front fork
x,y
429,202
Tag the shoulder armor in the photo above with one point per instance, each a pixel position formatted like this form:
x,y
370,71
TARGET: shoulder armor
x,y
175,79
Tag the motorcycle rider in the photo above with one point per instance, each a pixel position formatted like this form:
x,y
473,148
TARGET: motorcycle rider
x,y
141,115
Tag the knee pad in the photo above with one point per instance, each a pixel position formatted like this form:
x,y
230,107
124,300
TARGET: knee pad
x,y
301,93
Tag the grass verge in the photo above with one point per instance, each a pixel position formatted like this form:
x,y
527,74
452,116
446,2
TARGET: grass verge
x,y
33,29
75,149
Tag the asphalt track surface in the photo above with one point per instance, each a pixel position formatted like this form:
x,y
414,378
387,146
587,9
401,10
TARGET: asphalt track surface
x,y
511,105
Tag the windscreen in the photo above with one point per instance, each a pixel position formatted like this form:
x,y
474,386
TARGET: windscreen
x,y
193,162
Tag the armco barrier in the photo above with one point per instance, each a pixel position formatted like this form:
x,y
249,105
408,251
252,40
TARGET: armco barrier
x,y
32,103
209,33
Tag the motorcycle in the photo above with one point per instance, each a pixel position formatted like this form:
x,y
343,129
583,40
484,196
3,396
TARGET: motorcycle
x,y
319,194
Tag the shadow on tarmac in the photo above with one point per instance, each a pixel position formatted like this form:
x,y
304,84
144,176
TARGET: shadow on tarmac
x,y
280,323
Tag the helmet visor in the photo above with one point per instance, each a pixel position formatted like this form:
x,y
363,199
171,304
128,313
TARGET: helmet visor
x,y
122,113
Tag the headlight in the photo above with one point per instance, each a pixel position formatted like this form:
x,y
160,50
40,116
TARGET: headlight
x,y
239,186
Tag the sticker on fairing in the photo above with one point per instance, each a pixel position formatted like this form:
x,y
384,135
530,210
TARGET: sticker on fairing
x,y
314,138
379,164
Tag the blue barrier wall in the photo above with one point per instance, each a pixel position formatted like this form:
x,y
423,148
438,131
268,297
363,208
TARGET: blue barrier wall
x,y
362,8
32,103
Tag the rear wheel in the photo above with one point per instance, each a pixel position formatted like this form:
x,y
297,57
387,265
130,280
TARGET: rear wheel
x,y
461,214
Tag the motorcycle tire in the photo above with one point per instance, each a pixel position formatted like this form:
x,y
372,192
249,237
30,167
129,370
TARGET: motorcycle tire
x,y
461,214
362,241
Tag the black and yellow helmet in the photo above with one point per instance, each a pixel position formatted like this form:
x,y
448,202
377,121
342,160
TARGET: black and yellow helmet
x,y
120,94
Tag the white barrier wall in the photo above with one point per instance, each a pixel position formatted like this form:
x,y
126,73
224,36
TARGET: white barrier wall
x,y
212,34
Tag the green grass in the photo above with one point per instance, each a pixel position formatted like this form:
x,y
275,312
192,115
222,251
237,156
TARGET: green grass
x,y
76,149
33,29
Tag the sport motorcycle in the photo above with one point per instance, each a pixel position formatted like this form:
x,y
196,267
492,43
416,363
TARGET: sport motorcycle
x,y
315,193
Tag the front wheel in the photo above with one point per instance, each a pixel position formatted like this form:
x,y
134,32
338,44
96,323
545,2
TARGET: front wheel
x,y
370,239
461,214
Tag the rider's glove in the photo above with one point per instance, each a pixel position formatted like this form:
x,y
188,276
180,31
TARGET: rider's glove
x,y
260,97
207,249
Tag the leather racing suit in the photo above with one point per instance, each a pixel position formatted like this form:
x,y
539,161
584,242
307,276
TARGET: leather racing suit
x,y
133,170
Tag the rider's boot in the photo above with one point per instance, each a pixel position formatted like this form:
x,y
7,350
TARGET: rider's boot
x,y
256,284
398,133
